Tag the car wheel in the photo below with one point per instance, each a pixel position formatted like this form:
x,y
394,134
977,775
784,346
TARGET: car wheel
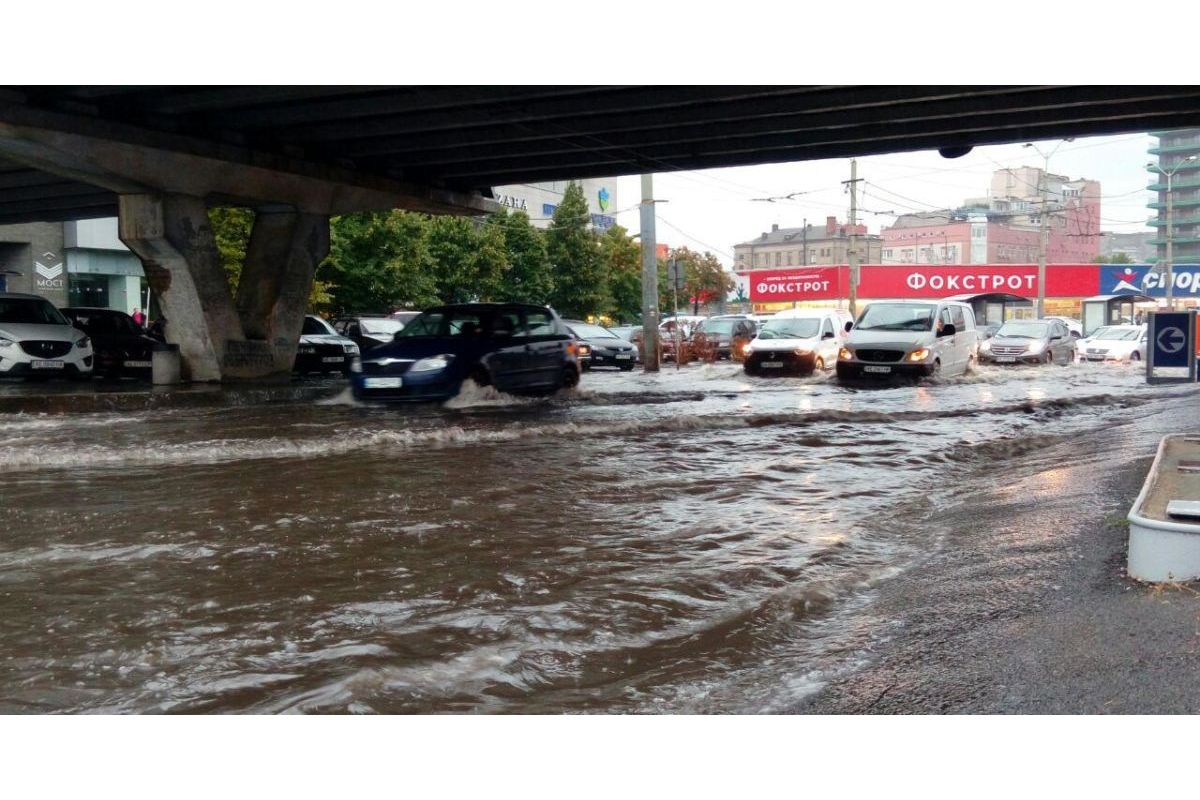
x,y
480,377
1048,358
1135,356
819,364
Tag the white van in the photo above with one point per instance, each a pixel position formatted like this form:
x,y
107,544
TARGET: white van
x,y
910,337
798,341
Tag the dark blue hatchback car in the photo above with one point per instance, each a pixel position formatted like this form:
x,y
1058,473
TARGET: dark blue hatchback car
x,y
520,349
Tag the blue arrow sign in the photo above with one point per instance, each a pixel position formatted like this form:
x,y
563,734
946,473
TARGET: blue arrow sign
x,y
1170,337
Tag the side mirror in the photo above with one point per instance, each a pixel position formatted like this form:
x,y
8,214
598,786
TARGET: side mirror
x,y
948,330
849,325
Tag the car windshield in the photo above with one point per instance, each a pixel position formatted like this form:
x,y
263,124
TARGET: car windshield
x,y
380,327
315,326
1023,330
790,329
101,323
29,311
444,322
718,326
896,317
1117,334
585,331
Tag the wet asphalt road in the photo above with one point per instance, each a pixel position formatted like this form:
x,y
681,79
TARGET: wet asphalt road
x,y
695,541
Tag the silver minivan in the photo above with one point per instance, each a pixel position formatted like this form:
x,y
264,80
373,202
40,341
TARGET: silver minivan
x,y
909,338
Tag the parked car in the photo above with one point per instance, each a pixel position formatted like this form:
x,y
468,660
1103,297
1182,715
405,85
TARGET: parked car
x,y
719,332
368,331
626,332
37,340
515,347
1121,343
606,348
799,341
322,349
678,328
120,346
1035,341
405,316
909,338
1074,326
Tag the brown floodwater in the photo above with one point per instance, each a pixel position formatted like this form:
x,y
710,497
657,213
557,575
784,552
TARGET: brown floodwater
x,y
696,541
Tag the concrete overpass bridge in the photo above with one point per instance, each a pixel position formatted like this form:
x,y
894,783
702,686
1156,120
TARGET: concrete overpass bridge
x,y
158,156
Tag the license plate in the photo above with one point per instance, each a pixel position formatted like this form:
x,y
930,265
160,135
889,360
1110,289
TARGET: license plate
x,y
137,364
1005,360
333,359
625,357
881,370
47,365
772,364
382,383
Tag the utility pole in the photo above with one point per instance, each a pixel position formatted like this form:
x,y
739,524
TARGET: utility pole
x,y
853,251
649,278
804,252
1170,272
1044,217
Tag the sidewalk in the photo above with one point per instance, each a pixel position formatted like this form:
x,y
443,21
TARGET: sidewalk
x,y
1025,608
65,397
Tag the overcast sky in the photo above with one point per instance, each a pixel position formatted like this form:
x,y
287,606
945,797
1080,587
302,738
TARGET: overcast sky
x,y
715,209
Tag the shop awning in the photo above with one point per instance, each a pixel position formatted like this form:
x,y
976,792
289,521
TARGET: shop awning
x,y
1132,298
990,297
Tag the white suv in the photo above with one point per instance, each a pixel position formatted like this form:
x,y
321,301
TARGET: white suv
x,y
907,337
801,340
35,339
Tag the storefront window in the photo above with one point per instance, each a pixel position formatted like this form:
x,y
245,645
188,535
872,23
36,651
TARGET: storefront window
x,y
88,291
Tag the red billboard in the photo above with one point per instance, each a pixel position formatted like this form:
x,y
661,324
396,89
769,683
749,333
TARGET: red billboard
x,y
925,281
799,283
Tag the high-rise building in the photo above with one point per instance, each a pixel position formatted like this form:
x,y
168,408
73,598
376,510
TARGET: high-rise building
x,y
539,200
1173,150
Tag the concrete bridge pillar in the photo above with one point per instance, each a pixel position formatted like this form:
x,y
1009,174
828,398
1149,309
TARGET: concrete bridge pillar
x,y
218,339
172,236
285,249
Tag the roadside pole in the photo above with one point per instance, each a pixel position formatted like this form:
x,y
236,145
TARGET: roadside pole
x,y
649,278
853,251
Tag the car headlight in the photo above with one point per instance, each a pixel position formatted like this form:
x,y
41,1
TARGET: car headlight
x,y
986,347
5,343
432,363
83,343
355,365
352,349
845,355
1036,348
749,348
802,351
920,354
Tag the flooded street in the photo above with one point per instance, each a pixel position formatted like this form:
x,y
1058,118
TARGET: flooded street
x,y
695,541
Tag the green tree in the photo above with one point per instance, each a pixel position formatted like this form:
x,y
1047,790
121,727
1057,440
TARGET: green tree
x,y
1115,258
580,289
706,280
379,261
452,246
529,278
490,267
622,259
231,227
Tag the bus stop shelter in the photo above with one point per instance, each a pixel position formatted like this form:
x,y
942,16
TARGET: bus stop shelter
x,y
991,308
1110,309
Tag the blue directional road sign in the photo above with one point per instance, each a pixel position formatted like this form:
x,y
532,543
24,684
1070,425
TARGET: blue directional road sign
x,y
1171,344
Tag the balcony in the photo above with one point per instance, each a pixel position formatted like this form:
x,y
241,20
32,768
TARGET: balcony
x,y
1178,203
1177,240
1161,222
1176,186
1181,166
1187,147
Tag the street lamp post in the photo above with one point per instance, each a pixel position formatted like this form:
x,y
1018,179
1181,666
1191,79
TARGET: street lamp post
x,y
1043,230
1170,276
